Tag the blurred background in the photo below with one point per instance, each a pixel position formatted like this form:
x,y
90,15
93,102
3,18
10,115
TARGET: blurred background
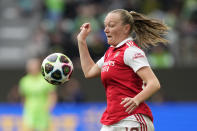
x,y
37,28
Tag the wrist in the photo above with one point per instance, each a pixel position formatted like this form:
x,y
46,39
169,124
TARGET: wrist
x,y
81,38
81,41
137,101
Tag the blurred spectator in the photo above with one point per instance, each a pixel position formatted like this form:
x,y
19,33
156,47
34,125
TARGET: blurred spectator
x,y
54,11
59,22
189,6
13,95
158,97
39,98
160,58
26,7
146,7
188,33
71,92
56,41
62,19
40,43
61,41
88,12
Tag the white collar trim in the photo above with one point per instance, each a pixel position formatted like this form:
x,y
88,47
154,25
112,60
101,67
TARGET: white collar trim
x,y
121,43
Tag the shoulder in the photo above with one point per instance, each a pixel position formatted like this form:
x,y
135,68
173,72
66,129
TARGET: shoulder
x,y
23,81
134,52
131,45
46,84
135,57
24,78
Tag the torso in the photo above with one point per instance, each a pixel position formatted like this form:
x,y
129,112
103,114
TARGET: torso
x,y
120,81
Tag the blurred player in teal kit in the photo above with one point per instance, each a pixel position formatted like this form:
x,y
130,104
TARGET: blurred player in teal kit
x,y
39,98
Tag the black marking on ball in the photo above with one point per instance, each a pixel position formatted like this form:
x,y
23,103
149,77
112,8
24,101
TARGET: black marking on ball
x,y
57,75
63,59
52,58
54,82
66,69
42,69
48,68
47,80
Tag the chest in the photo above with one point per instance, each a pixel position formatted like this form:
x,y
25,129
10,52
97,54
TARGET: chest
x,y
113,60
114,67
34,86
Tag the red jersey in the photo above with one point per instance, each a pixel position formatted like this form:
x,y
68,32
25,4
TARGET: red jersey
x,y
118,75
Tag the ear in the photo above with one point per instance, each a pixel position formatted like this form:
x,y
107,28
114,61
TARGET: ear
x,y
127,28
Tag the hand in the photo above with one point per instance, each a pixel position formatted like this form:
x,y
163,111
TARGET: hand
x,y
85,30
130,104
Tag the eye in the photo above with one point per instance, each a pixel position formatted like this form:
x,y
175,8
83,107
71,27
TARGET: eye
x,y
111,25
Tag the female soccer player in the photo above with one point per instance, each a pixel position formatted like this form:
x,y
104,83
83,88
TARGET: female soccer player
x,y
39,98
124,68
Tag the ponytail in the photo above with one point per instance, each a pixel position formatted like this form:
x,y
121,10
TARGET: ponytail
x,y
148,31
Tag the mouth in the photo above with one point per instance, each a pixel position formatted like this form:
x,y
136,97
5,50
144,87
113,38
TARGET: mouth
x,y
108,36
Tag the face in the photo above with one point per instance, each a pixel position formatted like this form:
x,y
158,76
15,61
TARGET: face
x,y
114,29
33,66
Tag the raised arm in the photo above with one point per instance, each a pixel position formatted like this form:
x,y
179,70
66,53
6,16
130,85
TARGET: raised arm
x,y
90,69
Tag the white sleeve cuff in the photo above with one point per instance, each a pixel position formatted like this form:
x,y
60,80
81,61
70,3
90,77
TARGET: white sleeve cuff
x,y
100,62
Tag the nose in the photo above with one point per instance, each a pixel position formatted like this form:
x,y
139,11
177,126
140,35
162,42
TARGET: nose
x,y
106,30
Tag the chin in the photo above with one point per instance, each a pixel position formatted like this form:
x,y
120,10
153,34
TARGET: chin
x,y
111,43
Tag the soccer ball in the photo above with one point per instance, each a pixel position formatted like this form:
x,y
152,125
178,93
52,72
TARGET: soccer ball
x,y
57,68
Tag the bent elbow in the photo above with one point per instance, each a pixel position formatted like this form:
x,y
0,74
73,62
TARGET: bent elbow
x,y
87,76
158,86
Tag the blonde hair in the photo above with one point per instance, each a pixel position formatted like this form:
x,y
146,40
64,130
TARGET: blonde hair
x,y
148,31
